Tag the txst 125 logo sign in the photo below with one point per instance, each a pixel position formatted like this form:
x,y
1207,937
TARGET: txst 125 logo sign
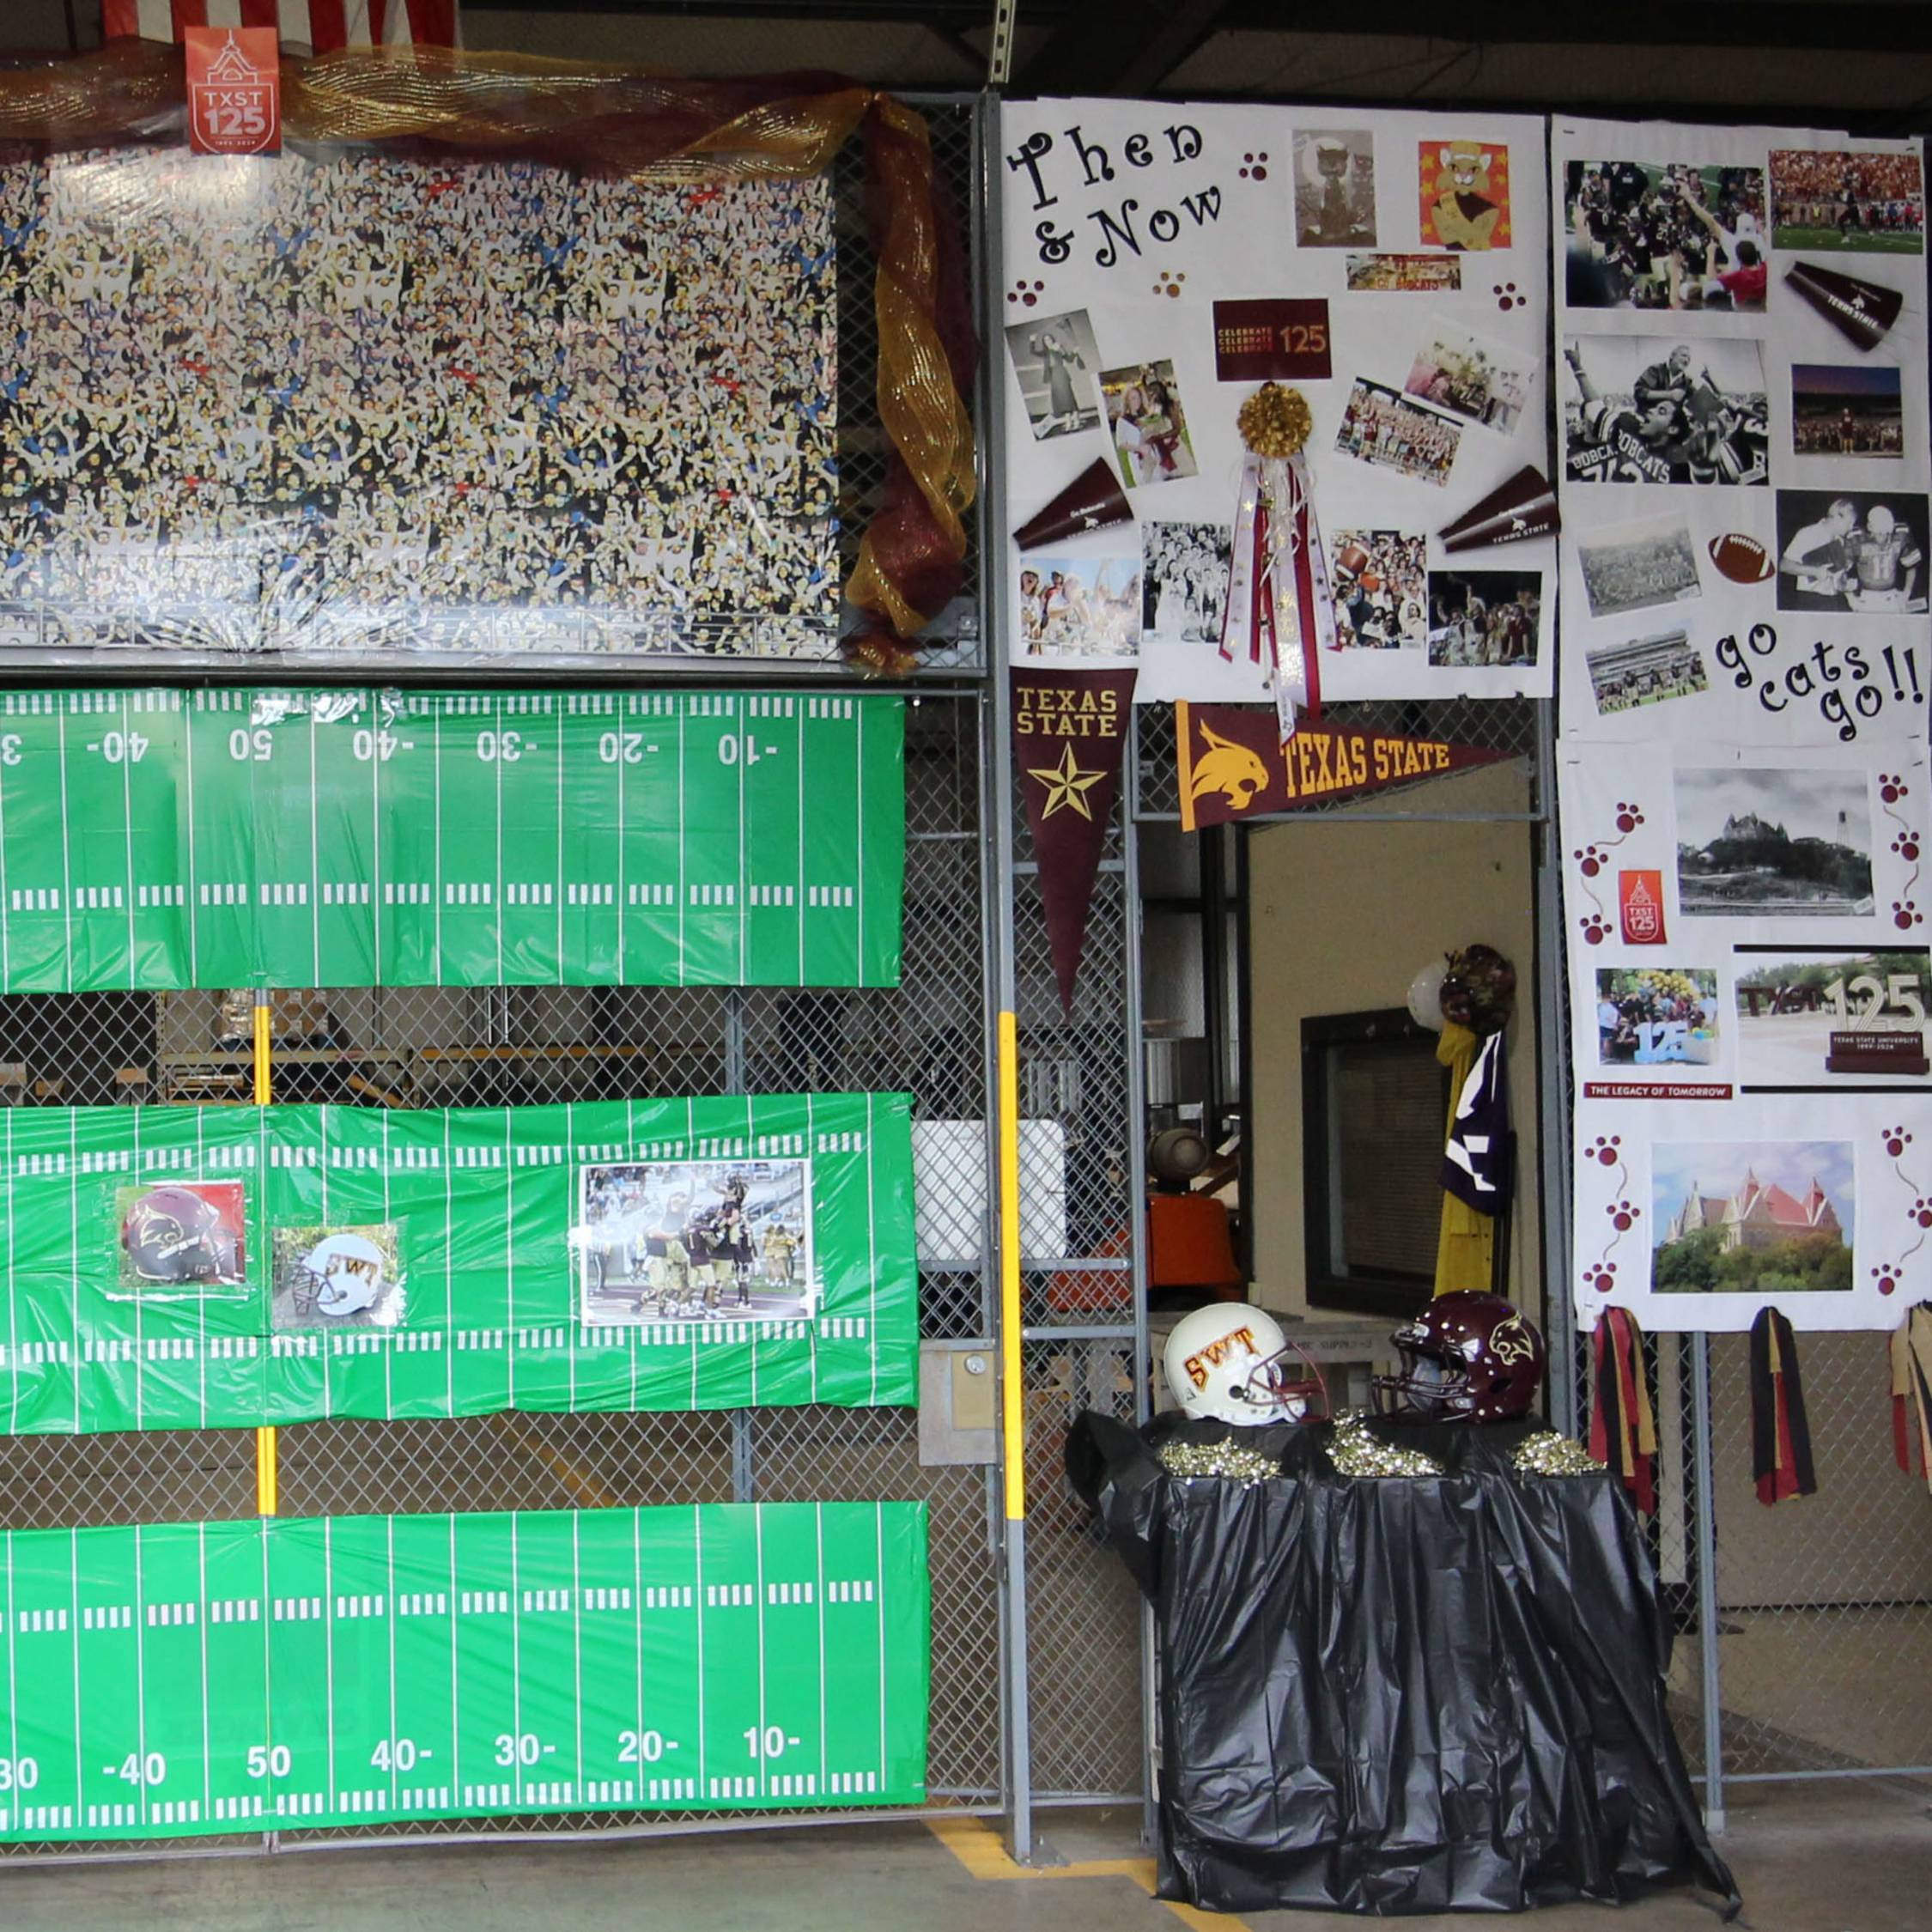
x,y
235,89
1640,904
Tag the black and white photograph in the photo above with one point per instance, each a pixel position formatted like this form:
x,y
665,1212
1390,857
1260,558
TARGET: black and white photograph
x,y
1382,426
335,1278
1759,843
1334,188
1656,410
696,1241
1480,619
1486,383
1665,236
1059,369
1381,579
1183,581
1855,550
1846,409
1639,566
1650,670
1080,607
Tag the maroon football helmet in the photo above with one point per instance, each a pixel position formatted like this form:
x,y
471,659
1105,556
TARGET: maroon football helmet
x,y
1466,1357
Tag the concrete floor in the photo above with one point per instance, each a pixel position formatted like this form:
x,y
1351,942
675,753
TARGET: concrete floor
x,y
1843,1857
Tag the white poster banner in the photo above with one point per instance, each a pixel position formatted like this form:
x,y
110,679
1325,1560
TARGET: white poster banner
x,y
1742,777
1694,1217
1161,261
1749,981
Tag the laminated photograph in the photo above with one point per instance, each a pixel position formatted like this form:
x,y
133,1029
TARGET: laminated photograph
x,y
695,1241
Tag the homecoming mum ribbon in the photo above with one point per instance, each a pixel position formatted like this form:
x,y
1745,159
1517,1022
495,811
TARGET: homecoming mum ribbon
x,y
1279,597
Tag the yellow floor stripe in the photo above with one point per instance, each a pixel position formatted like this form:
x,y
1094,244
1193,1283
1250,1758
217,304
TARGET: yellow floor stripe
x,y
979,1848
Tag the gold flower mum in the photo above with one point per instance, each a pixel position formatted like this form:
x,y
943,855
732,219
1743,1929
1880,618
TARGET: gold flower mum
x,y
1275,421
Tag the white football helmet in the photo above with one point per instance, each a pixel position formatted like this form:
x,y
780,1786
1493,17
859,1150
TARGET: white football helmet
x,y
342,1275
1233,1363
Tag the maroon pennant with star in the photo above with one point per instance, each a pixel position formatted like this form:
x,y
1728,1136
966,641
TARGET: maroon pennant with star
x,y
1069,733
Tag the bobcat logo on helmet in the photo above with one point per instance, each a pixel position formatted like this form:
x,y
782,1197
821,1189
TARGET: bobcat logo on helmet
x,y
1512,1343
175,1237
342,1275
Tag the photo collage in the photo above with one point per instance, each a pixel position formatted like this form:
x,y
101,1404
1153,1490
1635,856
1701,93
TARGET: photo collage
x,y
1741,396
1388,268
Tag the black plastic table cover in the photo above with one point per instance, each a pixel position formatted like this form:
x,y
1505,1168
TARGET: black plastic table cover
x,y
1399,1694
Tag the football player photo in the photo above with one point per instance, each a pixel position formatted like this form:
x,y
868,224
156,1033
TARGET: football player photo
x,y
1826,198
696,1241
1665,236
183,1241
334,1278
1640,408
1859,550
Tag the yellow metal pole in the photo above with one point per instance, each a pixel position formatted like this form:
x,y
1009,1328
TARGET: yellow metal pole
x,y
267,1494
1012,1397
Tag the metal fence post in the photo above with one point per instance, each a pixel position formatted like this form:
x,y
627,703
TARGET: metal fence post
x,y
1000,911
1554,1080
268,1492
1137,1196
1707,1583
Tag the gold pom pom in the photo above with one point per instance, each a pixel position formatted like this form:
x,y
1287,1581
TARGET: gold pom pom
x,y
1275,421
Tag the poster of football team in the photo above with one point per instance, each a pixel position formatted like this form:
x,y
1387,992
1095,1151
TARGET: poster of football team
x,y
1740,402
1163,261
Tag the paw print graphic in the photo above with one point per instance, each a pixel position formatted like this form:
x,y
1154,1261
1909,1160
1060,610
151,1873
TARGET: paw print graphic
x,y
1591,859
1506,296
1600,1277
1604,1148
1896,1141
1595,929
1906,845
1026,292
1887,1279
1628,817
1892,787
1624,1215
1905,915
1254,167
1921,1212
1170,285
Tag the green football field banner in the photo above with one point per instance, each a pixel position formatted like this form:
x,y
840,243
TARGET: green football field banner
x,y
158,839
223,1267
191,1678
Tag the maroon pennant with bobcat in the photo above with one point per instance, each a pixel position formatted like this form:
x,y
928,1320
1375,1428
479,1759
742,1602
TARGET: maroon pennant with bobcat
x,y
1234,763
1069,731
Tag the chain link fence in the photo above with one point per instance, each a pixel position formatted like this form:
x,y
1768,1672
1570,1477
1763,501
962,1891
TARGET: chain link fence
x,y
1821,1635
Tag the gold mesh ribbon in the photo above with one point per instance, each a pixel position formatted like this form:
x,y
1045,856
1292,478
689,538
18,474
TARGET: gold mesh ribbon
x,y
654,128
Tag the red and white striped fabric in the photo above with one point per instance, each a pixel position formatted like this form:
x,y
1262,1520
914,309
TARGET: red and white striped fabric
x,y
320,26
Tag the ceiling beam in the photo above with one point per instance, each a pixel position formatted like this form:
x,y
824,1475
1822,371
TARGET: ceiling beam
x,y
1121,46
